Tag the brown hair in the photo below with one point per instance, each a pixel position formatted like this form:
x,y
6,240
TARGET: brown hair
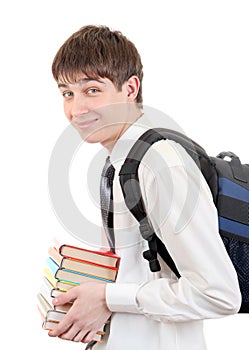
x,y
97,51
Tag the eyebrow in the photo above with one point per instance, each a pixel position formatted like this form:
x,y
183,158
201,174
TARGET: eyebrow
x,y
81,81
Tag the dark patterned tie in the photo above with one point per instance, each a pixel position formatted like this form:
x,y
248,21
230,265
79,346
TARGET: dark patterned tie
x,y
106,201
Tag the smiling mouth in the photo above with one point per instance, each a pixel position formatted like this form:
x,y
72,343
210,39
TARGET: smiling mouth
x,y
86,124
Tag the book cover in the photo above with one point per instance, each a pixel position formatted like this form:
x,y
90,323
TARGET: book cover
x,y
54,254
75,277
55,292
65,285
106,258
50,269
52,318
54,315
85,267
43,306
45,288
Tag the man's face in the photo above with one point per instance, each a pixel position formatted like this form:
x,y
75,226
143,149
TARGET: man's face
x,y
97,109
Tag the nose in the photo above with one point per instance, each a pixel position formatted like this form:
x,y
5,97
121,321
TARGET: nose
x,y
79,106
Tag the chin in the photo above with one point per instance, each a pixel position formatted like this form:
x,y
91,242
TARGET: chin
x,y
90,138
100,136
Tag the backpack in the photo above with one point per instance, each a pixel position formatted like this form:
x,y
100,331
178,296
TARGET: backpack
x,y
229,185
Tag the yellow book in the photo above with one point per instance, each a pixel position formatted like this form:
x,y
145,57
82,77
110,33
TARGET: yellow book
x,y
50,270
50,276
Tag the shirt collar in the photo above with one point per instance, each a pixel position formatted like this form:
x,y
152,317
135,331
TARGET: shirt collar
x,y
127,140
151,118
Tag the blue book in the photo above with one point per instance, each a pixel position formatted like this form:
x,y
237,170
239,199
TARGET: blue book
x,y
71,276
50,270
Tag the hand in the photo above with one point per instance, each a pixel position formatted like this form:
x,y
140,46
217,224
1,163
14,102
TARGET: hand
x,y
87,314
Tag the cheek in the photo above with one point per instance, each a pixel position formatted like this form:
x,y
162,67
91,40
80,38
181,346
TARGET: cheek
x,y
67,111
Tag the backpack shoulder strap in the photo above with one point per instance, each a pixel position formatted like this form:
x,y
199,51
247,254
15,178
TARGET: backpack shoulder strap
x,y
129,182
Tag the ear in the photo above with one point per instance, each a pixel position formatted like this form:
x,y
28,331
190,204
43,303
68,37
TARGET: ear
x,y
132,85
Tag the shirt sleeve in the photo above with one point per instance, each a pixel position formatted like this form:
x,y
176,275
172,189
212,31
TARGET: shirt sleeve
x,y
180,208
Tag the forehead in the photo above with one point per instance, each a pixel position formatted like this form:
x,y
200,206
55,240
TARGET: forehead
x,y
82,80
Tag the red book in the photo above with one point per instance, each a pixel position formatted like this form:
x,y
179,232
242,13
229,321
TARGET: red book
x,y
104,258
98,270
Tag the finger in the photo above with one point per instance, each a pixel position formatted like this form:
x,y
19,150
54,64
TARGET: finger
x,y
90,336
80,336
65,298
61,328
71,333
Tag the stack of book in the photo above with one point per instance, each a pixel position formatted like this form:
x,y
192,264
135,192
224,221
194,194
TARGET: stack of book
x,y
68,266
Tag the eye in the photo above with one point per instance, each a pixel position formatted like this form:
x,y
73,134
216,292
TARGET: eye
x,y
67,94
92,91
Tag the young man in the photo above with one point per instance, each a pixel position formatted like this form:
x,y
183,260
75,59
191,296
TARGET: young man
x,y
99,74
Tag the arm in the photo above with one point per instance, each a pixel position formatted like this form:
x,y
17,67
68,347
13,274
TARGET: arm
x,y
180,207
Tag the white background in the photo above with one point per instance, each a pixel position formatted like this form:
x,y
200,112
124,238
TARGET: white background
x,y
195,56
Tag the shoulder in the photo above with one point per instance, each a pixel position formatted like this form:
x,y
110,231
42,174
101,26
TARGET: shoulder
x,y
165,154
168,163
165,160
162,160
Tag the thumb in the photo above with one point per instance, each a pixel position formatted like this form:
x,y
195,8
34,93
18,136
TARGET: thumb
x,y
64,298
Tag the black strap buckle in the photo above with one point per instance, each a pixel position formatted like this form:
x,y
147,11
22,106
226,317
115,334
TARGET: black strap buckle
x,y
151,254
153,261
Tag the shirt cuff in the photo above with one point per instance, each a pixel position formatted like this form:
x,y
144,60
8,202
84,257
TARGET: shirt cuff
x,y
121,297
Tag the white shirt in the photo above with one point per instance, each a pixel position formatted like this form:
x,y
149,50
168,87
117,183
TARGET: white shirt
x,y
157,311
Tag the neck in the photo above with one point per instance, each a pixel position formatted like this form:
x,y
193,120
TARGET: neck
x,y
109,145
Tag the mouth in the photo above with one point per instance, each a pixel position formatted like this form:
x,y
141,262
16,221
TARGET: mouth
x,y
85,124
